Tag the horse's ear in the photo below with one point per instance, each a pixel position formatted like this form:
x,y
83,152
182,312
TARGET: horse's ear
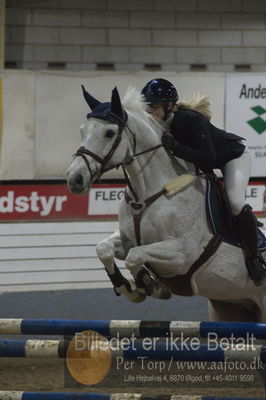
x,y
91,101
116,106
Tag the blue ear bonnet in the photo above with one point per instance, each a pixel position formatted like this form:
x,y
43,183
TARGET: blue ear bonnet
x,y
103,111
109,111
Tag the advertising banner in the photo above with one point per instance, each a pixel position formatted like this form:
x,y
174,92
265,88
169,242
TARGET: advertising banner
x,y
246,115
55,202
256,197
39,202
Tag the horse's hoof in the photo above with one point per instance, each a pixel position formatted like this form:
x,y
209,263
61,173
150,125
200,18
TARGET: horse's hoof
x,y
165,295
139,298
162,292
134,294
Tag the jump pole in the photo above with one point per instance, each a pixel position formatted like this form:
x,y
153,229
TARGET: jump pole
x,y
127,328
99,396
135,350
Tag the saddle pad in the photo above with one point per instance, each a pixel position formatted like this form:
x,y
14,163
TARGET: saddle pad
x,y
220,219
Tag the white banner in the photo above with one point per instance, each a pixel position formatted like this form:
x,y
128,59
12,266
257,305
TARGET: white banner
x,y
256,197
104,201
246,115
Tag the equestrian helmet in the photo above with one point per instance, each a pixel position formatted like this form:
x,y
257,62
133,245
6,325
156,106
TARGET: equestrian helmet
x,y
159,91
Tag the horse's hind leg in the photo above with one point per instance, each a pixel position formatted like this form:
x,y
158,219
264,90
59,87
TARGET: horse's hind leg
x,y
107,250
222,311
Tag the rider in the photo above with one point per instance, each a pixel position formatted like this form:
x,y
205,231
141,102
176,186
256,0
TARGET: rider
x,y
193,138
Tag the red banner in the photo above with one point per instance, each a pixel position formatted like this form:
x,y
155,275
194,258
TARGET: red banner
x,y
55,202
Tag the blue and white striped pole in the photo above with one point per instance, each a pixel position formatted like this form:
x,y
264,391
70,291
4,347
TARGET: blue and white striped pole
x,y
111,328
136,350
99,396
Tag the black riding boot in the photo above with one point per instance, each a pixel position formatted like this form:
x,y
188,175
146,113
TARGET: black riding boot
x,y
248,232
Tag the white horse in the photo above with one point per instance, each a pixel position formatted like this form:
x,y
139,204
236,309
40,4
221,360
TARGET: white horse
x,y
171,232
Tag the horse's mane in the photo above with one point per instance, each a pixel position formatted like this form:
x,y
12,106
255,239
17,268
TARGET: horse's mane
x,y
134,101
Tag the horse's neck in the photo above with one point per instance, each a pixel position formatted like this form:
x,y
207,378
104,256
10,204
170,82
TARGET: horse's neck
x,y
149,172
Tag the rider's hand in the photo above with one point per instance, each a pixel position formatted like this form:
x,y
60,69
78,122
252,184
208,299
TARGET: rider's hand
x,y
168,141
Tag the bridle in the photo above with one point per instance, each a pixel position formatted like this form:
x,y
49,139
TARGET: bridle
x,y
136,206
83,151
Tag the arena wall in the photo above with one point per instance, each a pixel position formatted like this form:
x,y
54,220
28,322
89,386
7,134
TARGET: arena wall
x,y
170,35
42,113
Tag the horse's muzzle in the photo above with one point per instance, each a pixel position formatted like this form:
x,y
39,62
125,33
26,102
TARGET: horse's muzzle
x,y
77,183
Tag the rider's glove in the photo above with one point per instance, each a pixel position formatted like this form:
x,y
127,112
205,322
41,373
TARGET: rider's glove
x,y
168,141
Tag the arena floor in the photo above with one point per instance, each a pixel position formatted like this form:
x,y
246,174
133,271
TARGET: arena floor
x,y
49,375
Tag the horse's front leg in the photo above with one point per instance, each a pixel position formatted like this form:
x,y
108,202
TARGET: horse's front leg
x,y
109,249
141,262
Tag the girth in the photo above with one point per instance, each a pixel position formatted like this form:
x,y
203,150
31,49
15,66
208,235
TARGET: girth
x,y
181,284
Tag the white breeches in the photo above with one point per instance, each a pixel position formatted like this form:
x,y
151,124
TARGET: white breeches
x,y
236,175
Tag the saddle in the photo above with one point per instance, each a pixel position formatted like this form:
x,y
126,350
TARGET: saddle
x,y
221,219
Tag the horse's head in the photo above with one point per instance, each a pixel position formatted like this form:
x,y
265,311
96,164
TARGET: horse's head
x,y
102,146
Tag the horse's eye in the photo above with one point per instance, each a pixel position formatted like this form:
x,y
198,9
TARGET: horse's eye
x,y
109,133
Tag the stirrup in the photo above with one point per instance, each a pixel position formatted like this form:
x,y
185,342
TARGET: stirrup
x,y
259,224
256,267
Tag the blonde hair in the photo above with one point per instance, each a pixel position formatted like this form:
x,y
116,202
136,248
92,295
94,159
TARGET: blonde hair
x,y
198,102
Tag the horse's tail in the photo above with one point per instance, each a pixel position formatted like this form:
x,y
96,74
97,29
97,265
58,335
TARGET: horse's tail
x,y
199,102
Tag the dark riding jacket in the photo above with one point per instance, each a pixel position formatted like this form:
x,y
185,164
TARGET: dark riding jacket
x,y
201,143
